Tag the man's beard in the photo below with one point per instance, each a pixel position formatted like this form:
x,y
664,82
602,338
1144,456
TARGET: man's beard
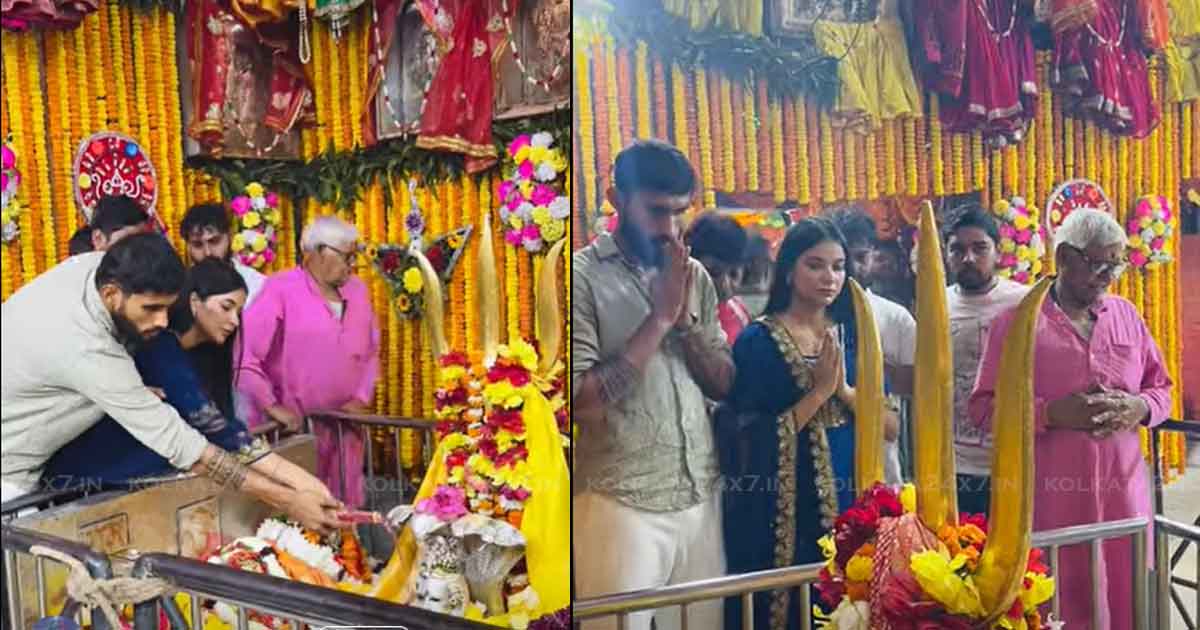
x,y
972,280
646,251
127,333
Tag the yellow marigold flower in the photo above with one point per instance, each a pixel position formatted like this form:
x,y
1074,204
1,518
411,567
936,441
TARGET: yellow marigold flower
x,y
1135,241
503,393
828,546
1039,592
554,230
516,222
413,282
251,219
522,352
860,568
254,189
1001,207
1007,245
403,303
1145,222
541,214
935,572
1159,228
538,154
908,497
454,241
452,373
1021,222
522,154
238,243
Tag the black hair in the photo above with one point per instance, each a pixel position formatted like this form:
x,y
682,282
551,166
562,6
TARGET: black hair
x,y
800,238
653,166
213,363
204,216
81,242
973,215
857,227
142,263
718,236
117,212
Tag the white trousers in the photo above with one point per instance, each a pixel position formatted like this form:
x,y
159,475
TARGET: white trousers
x,y
620,549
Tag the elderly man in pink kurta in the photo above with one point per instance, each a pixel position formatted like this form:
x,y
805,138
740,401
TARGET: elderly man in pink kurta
x,y
1098,377
312,343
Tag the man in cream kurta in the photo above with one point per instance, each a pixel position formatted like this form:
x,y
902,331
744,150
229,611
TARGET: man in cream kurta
x,y
62,368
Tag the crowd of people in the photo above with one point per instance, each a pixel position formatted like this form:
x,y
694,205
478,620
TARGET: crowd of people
x,y
717,438
121,364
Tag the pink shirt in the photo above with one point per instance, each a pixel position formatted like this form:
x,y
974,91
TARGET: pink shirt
x,y
299,355
1081,479
734,316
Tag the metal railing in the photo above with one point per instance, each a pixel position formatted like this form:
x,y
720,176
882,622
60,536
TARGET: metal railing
x,y
1167,584
804,576
18,542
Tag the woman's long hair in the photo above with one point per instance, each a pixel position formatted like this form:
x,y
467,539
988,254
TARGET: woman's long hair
x,y
800,238
213,363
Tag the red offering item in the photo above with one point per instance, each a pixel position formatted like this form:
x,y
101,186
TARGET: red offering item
x,y
359,516
113,164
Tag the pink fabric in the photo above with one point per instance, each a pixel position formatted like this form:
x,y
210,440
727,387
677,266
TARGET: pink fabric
x,y
734,316
1080,479
298,355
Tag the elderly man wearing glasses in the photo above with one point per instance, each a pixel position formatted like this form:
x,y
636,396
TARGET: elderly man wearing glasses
x,y
1098,377
312,343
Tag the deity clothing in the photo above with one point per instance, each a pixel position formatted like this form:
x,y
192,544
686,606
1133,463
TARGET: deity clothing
x,y
734,316
458,107
1081,479
971,316
21,15
62,368
782,488
108,454
296,354
978,56
876,79
651,463
1183,51
1100,68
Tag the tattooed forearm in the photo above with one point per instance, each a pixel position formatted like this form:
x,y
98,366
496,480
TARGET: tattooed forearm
x,y
616,378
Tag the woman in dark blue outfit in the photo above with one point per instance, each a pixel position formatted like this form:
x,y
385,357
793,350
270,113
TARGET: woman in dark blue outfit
x,y
786,433
191,363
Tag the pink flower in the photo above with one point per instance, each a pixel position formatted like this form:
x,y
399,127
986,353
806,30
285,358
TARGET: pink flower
x,y
1008,260
1157,244
525,169
240,205
518,142
515,202
1024,236
1143,209
543,195
513,237
447,503
272,200
1021,276
507,188
1007,231
9,158
3,181
1137,258
268,256
531,231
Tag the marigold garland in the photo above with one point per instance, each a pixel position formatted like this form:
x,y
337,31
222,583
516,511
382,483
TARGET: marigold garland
x,y
358,78
119,41
643,91
804,133
625,93
910,156
850,163
922,158
791,148
92,44
1186,138
828,157
742,143
661,118
728,139
835,185
870,153
1028,157
59,135
40,177
1092,144
613,109
764,128
889,163
679,106
337,119
704,123
779,166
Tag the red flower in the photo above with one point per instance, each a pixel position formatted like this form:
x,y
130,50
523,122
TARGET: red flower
x,y
456,396
830,588
515,374
513,454
390,262
853,528
884,499
437,258
457,458
455,358
905,606
1016,611
1035,562
978,520
487,446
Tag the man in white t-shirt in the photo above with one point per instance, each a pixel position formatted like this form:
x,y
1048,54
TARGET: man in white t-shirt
x,y
977,296
897,328
206,230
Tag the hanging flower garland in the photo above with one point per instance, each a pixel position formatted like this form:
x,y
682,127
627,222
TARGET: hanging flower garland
x,y
532,207
1149,231
256,221
1022,240
10,178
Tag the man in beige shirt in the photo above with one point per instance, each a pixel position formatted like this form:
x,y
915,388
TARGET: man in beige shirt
x,y
65,361
647,349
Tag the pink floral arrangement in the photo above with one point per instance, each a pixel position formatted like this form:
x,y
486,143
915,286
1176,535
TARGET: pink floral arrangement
x,y
447,504
10,178
1149,231
256,221
533,209
1022,240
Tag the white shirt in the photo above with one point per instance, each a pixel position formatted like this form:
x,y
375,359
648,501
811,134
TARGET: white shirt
x,y
898,340
970,318
62,369
254,280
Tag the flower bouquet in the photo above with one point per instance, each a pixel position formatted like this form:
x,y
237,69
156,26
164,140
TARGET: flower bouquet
x,y
10,209
256,222
885,567
1022,240
533,209
399,268
1149,231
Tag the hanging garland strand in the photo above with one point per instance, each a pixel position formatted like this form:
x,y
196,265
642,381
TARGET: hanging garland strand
x,y
342,177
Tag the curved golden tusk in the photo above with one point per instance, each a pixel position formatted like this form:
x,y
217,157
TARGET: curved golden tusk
x,y
933,386
487,286
433,304
868,408
1006,552
549,319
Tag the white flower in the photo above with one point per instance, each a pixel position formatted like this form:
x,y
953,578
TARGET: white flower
x,y
542,139
525,210
258,203
533,245
504,214
850,616
1148,235
545,172
1018,201
560,208
249,235
1023,265
10,231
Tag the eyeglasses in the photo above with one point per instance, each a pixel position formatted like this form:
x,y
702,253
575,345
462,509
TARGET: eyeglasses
x,y
350,258
1102,267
